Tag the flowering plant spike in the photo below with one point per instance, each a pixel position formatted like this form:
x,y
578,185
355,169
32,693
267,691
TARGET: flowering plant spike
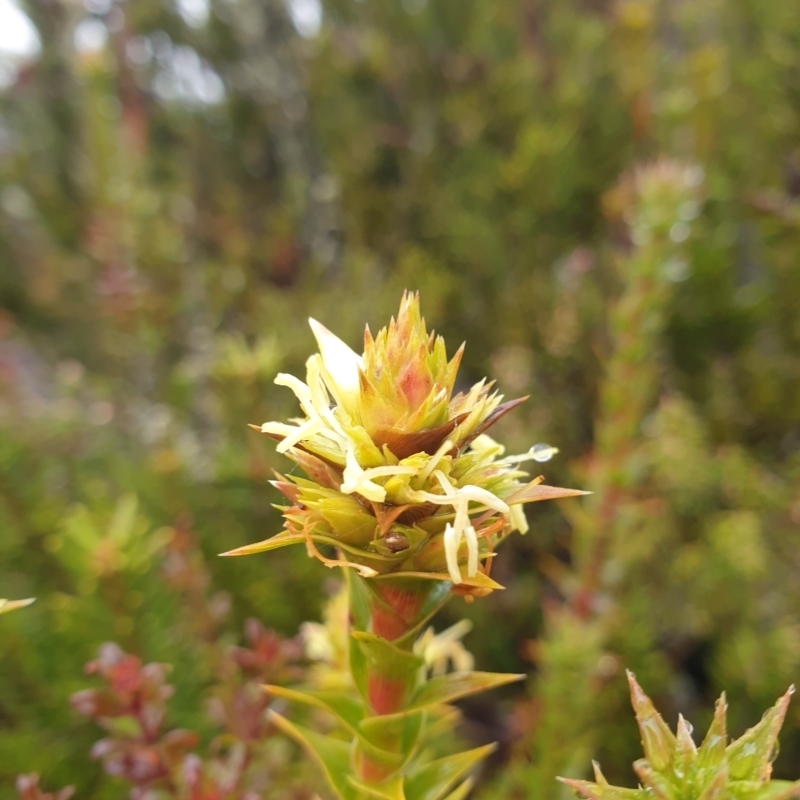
x,y
403,482
675,768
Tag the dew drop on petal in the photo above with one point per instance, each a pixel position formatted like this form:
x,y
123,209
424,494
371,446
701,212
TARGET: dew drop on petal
x,y
543,452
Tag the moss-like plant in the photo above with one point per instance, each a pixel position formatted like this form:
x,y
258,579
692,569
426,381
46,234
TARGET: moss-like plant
x,y
674,768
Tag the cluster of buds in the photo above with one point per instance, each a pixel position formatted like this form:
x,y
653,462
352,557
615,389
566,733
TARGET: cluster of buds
x,y
675,768
401,476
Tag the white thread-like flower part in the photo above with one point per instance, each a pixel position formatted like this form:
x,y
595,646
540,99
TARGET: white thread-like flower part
x,y
440,649
358,479
461,528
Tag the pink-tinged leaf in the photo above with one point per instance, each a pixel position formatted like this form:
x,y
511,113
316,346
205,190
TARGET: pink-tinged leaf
x,y
446,688
432,781
332,755
404,444
535,491
750,756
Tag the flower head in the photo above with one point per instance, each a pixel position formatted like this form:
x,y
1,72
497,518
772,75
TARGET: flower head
x,y
402,477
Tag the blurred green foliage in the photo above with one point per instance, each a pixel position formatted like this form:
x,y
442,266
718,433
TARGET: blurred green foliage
x,y
181,190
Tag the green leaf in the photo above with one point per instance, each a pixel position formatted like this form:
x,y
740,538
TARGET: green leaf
x,y
446,688
432,780
712,751
461,791
774,790
386,658
282,539
441,721
602,791
359,600
333,755
750,756
347,710
383,731
480,581
655,780
657,739
391,789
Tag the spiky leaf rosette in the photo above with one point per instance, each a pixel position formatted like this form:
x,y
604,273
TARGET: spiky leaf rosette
x,y
401,476
674,768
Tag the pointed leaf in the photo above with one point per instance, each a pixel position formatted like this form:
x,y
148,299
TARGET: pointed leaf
x,y
461,791
386,729
499,412
777,790
712,750
598,791
349,713
432,780
346,709
391,789
655,780
437,597
750,756
333,755
386,658
657,739
446,688
359,601
481,581
533,492
283,539
717,788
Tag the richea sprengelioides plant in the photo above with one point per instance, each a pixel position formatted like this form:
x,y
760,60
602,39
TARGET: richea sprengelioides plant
x,y
675,768
403,482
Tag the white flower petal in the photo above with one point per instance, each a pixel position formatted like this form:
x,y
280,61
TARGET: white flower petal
x,y
341,362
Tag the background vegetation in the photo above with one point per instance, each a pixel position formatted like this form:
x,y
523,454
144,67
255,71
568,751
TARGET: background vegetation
x,y
599,196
